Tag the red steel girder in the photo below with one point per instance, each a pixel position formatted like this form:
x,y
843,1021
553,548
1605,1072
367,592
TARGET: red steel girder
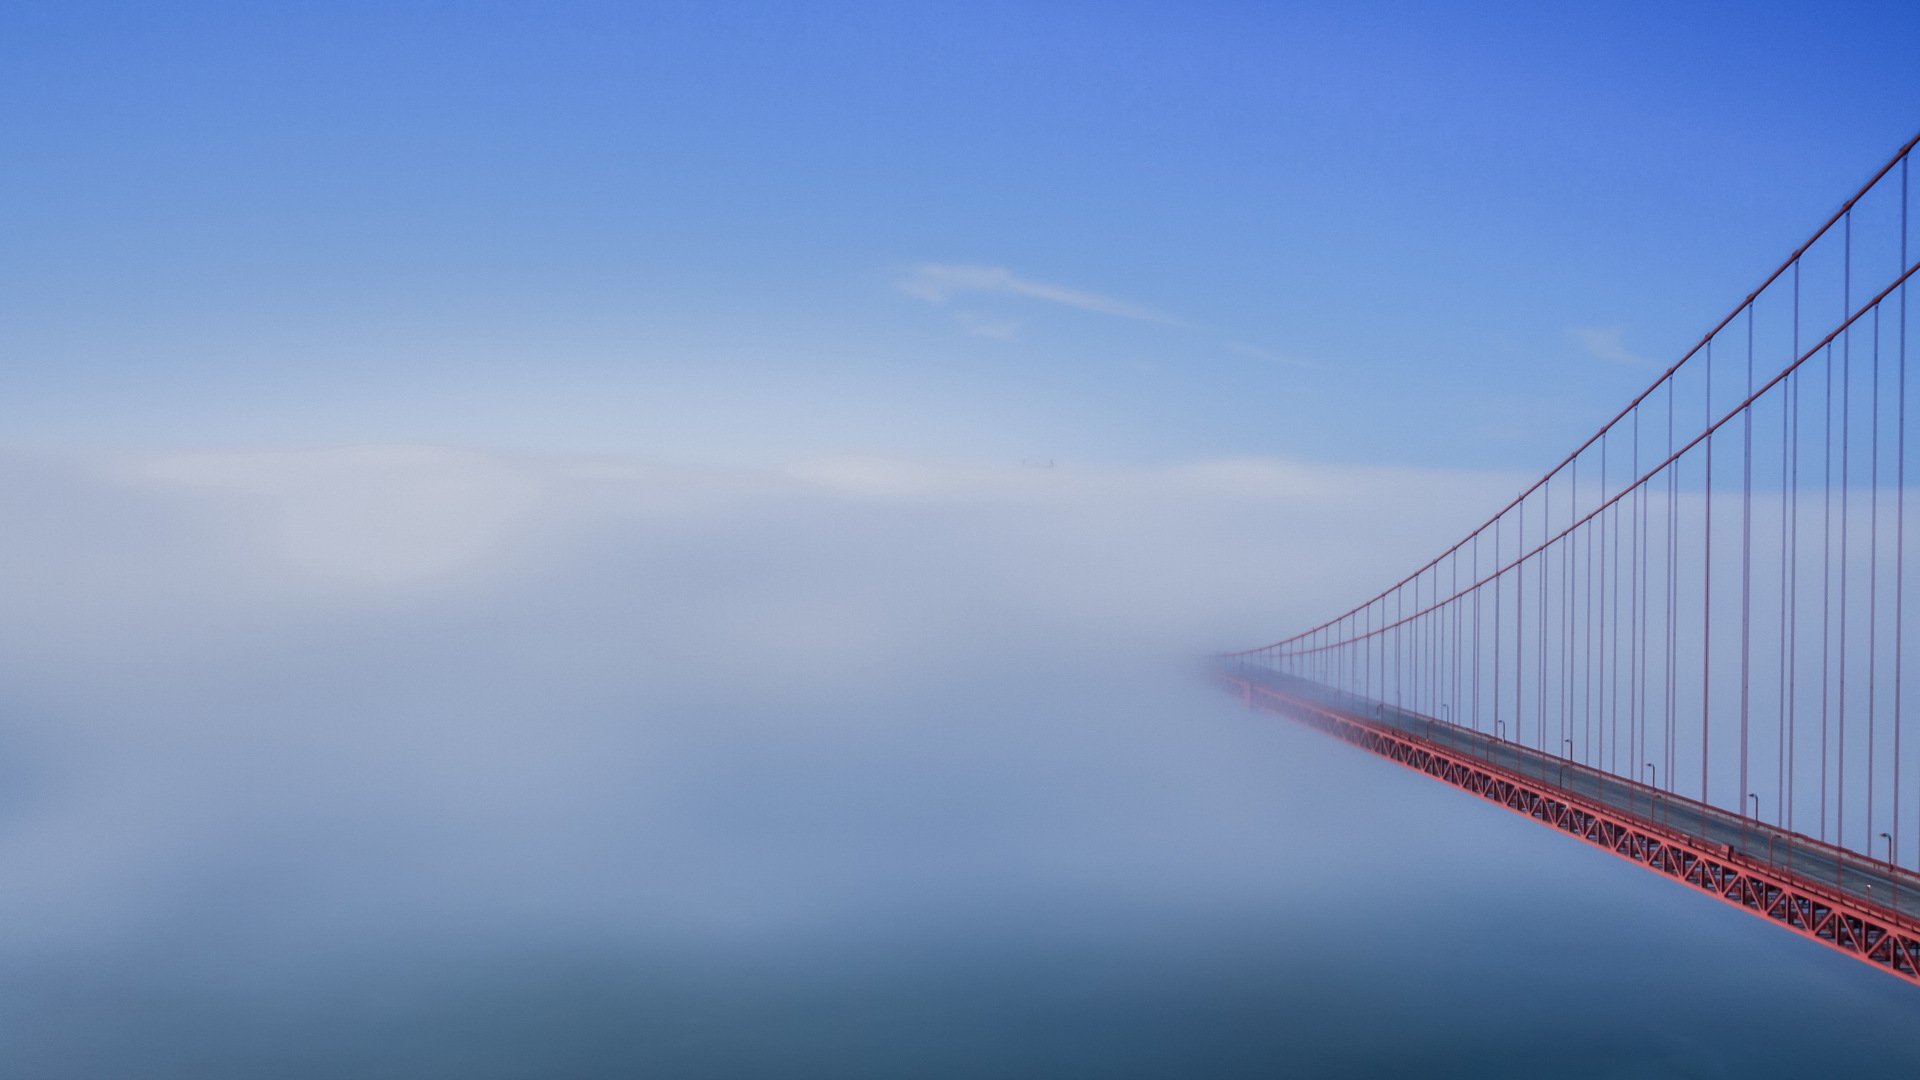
x,y
1807,908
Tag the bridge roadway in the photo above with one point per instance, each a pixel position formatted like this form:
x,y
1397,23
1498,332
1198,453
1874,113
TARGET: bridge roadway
x,y
1869,882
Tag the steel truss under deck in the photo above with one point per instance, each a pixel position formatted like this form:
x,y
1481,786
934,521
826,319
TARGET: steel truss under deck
x,y
1813,911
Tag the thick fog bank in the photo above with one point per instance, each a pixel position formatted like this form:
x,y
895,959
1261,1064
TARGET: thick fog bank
x,y
413,762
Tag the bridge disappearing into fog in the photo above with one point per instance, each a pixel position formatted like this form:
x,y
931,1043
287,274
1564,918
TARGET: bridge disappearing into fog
x,y
1686,643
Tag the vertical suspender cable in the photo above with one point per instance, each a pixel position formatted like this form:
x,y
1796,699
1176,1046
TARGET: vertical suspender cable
x,y
1519,635
1900,515
1566,616
1636,639
1673,598
1873,573
1602,670
1498,575
1793,610
1586,654
1706,600
1846,480
1546,528
1793,568
1785,814
1611,619
1476,631
1826,597
1746,563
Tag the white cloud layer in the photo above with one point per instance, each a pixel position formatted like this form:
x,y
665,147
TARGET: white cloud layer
x,y
939,283
366,514
272,713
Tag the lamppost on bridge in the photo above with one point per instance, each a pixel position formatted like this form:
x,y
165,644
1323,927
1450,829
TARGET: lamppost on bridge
x,y
1888,837
1654,783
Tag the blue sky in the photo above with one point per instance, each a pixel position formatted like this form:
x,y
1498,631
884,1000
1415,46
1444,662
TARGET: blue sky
x,y
1444,234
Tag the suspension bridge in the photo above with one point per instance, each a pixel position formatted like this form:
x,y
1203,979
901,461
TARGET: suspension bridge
x,y
1686,642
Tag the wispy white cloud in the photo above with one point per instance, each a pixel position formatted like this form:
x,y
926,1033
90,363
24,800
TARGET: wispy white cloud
x,y
987,326
939,283
1606,343
1241,348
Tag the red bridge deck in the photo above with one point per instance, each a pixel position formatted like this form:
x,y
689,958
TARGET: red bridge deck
x,y
1819,892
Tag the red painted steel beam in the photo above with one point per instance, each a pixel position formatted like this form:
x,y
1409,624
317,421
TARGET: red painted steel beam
x,y
1813,911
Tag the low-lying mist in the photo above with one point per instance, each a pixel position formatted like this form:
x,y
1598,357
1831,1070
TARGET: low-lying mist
x,y
416,762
